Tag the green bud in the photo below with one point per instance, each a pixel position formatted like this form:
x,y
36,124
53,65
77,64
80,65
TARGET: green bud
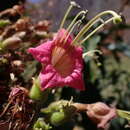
x,y
55,106
41,34
57,118
11,43
36,93
59,112
4,23
40,124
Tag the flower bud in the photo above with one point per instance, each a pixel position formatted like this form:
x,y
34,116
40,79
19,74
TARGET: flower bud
x,y
41,34
57,118
40,124
4,23
99,108
36,93
11,43
100,114
59,112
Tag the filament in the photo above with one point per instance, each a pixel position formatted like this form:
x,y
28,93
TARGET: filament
x,y
95,30
76,17
116,17
76,24
72,4
73,24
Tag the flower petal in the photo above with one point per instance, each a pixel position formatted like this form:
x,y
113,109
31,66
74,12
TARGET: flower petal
x,y
50,77
63,36
42,53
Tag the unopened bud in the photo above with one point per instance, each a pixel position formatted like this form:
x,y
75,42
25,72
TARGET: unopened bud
x,y
59,112
40,124
99,108
41,34
4,23
57,118
11,43
100,114
36,93
20,34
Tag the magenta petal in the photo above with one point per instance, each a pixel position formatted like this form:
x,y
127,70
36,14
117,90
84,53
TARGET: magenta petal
x,y
50,78
42,53
62,61
75,80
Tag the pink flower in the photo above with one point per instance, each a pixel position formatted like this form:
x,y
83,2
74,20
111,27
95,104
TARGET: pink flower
x,y
62,62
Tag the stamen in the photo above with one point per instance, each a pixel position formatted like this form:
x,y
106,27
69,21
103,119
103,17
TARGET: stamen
x,y
76,24
115,17
90,53
72,4
73,24
95,30
76,17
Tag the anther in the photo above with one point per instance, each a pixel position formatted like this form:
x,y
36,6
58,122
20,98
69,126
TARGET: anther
x,y
75,4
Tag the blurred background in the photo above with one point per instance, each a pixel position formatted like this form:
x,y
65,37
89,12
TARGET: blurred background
x,y
107,76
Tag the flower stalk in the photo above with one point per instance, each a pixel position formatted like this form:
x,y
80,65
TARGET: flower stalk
x,y
36,93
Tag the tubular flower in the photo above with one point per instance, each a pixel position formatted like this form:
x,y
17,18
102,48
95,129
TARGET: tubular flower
x,y
61,57
62,63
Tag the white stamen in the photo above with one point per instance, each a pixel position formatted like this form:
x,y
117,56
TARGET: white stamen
x,y
115,17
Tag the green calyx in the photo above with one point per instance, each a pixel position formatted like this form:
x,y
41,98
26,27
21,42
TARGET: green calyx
x,y
40,124
59,112
36,93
